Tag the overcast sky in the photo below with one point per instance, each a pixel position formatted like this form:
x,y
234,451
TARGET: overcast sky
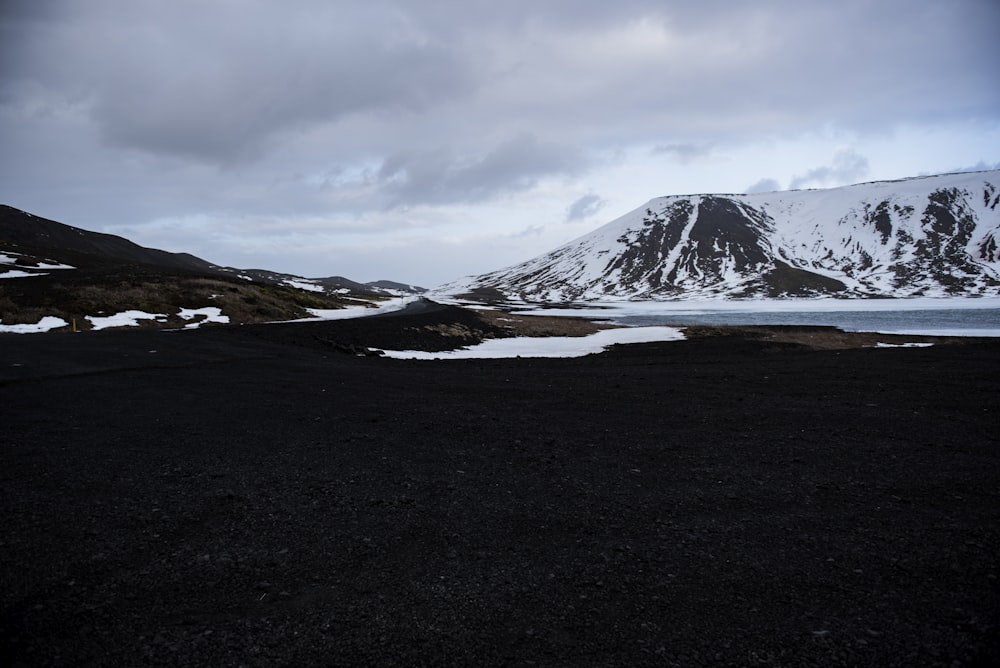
x,y
424,140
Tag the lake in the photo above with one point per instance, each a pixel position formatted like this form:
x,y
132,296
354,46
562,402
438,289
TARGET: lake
x,y
940,317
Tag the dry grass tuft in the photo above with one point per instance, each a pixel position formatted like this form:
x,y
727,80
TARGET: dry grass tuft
x,y
816,338
242,301
540,325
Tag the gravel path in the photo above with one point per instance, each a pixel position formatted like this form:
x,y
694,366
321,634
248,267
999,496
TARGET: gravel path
x,y
250,496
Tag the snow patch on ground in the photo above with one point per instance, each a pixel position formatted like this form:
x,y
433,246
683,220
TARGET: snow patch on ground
x,y
552,346
338,313
201,316
11,259
303,285
123,319
43,325
358,311
17,273
206,315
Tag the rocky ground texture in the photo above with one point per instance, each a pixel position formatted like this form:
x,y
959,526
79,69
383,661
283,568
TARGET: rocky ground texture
x,y
255,496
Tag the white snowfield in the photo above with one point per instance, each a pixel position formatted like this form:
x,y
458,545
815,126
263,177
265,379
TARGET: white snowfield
x,y
550,346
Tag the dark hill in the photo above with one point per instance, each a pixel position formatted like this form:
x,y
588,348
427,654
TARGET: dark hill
x,y
37,234
110,275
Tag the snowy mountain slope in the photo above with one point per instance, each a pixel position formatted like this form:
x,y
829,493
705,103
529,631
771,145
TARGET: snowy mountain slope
x,y
929,236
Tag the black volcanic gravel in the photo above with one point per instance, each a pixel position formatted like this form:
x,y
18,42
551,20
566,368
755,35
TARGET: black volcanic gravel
x,y
249,496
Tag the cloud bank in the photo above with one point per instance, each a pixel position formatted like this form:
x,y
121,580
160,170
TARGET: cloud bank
x,y
433,117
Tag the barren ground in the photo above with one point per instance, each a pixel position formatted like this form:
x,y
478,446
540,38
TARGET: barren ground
x,y
251,496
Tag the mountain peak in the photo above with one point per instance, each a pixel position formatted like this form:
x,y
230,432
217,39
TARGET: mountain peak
x,y
925,236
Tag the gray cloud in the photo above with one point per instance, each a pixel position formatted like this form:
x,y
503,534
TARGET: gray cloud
x,y
219,87
445,177
131,112
847,167
585,207
530,231
683,153
765,185
980,166
226,100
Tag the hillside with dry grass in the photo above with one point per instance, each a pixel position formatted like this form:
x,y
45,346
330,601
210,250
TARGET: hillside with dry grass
x,y
51,270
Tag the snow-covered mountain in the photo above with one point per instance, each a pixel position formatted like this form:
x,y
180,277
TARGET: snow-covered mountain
x,y
928,236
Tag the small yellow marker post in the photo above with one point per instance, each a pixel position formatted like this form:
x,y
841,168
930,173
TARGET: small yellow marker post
x,y
74,324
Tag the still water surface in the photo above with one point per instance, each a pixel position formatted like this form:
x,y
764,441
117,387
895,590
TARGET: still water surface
x,y
941,322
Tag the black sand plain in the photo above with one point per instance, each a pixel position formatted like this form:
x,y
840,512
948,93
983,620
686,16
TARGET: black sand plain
x,y
254,496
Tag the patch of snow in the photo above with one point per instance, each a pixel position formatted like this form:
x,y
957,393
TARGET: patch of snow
x,y
359,311
43,325
675,252
17,273
550,346
11,259
123,319
339,313
207,314
304,285
903,345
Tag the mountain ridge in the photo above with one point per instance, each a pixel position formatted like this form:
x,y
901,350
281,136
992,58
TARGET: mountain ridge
x,y
45,236
55,276
27,229
923,236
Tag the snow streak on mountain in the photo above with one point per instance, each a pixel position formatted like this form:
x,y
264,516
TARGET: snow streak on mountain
x,y
927,236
